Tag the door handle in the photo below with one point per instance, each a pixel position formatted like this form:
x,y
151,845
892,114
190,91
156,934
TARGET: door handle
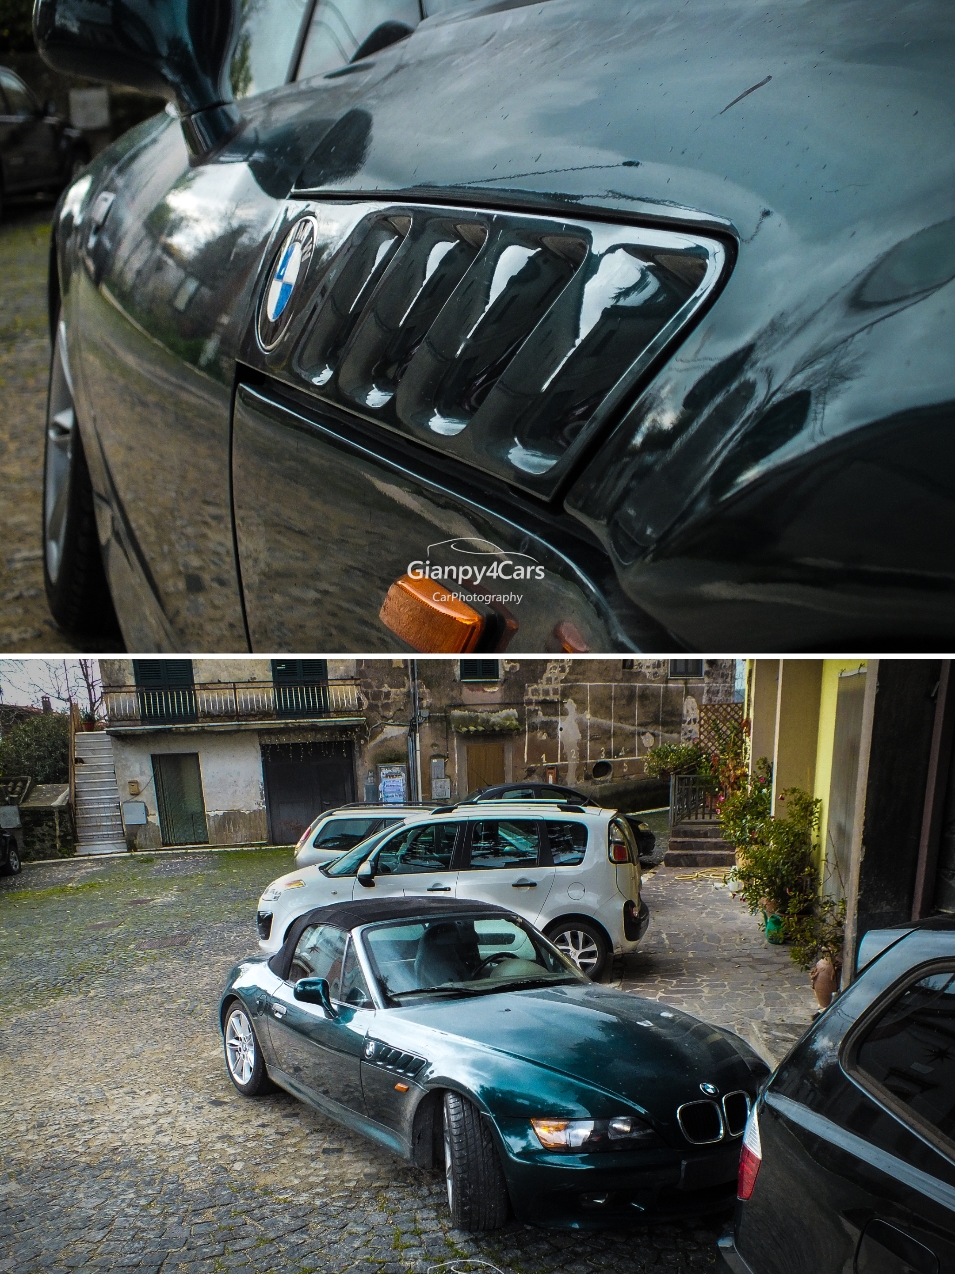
x,y
279,1010
524,884
439,889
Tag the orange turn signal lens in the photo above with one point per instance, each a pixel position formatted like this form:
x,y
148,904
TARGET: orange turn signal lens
x,y
401,1088
422,613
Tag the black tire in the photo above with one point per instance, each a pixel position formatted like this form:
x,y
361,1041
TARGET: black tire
x,y
585,944
12,866
76,587
477,1191
248,1073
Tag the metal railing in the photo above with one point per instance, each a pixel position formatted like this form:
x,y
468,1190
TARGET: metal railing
x,y
230,701
693,799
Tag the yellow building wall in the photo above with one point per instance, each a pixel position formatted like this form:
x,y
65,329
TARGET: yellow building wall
x,y
831,669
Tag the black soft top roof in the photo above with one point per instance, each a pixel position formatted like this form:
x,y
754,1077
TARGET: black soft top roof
x,y
349,915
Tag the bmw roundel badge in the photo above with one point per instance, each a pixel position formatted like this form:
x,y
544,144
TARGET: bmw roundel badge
x,y
710,1089
290,268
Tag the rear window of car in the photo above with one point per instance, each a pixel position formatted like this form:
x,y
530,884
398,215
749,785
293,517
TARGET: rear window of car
x,y
505,842
568,842
342,833
909,1053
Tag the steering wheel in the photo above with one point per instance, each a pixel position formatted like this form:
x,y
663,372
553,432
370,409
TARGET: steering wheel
x,y
492,959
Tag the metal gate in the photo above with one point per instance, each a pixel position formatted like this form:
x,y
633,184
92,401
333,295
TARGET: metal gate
x,y
302,780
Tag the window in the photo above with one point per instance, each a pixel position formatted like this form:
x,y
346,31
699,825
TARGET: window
x,y
686,668
568,843
166,690
479,670
461,956
419,849
343,833
505,843
319,954
340,28
354,987
300,687
909,1054
20,101
267,45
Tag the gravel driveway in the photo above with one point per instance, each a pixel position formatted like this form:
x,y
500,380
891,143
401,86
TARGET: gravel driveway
x,y
123,1146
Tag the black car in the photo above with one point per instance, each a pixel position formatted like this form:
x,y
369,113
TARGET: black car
x,y
483,325
38,148
848,1159
646,840
458,1036
10,863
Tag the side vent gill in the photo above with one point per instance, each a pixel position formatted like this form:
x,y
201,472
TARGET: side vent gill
x,y
502,339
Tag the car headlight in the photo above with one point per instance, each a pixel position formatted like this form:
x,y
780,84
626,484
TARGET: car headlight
x,y
622,1132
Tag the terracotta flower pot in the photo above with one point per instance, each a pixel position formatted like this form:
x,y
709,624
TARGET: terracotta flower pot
x,y
822,975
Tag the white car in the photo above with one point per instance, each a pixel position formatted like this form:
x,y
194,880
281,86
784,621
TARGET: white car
x,y
572,871
338,830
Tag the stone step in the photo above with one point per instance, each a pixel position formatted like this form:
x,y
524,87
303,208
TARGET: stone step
x,y
684,853
102,847
699,831
695,843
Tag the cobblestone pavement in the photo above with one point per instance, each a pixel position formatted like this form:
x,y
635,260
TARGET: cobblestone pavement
x,y
124,1147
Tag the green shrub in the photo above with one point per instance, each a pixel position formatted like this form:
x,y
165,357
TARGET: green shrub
x,y
676,758
38,746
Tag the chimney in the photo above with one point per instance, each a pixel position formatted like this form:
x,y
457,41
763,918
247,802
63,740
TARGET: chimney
x,y
47,706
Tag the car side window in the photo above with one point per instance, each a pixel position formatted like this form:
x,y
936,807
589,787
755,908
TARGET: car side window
x,y
909,1052
20,100
267,45
500,842
319,954
354,989
568,842
419,849
343,833
339,28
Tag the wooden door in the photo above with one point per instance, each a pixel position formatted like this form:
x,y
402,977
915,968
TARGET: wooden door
x,y
485,765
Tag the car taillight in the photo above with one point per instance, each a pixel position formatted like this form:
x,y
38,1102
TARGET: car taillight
x,y
619,853
750,1158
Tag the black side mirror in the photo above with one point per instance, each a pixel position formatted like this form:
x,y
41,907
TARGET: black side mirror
x,y
314,991
181,50
385,33
366,874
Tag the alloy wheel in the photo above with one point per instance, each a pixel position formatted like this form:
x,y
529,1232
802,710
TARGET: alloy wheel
x,y
240,1046
60,432
13,862
579,947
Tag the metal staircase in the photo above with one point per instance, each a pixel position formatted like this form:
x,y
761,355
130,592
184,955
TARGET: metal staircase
x,y
99,817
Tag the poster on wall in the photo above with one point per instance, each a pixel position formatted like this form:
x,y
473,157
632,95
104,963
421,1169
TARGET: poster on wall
x,y
393,784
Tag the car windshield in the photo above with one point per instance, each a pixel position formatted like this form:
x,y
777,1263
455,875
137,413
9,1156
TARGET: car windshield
x,y
348,864
462,956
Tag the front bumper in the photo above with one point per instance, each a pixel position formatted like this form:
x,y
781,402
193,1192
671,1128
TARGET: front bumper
x,y
263,923
614,1190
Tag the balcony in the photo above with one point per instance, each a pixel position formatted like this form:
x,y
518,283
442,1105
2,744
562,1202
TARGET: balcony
x,y
230,704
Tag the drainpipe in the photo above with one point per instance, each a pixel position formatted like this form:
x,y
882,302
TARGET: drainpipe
x,y
414,727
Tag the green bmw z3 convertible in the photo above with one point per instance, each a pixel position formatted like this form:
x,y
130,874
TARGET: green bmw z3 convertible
x,y
455,1034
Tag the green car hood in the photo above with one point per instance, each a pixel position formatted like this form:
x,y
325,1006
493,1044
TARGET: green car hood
x,y
652,1055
